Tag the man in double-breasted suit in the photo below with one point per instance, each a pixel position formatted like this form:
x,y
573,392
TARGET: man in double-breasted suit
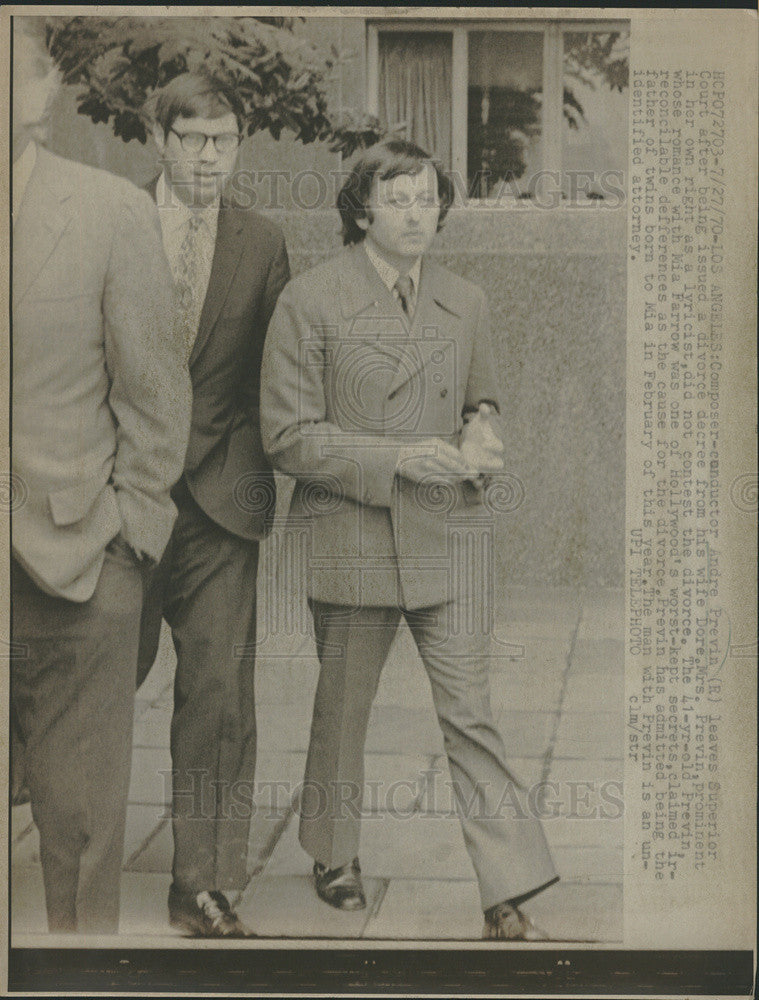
x,y
101,413
229,265
373,361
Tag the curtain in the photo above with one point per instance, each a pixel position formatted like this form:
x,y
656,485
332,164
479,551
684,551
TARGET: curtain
x,y
415,88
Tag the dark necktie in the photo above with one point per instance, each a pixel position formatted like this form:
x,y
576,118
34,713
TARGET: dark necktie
x,y
404,286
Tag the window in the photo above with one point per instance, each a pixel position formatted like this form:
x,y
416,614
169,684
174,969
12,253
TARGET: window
x,y
415,87
509,106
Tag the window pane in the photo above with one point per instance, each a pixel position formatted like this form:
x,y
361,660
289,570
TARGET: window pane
x,y
594,131
505,90
415,88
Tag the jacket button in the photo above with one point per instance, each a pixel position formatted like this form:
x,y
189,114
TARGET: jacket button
x,y
443,392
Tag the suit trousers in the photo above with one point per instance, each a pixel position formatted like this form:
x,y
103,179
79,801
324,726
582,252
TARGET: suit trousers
x,y
205,588
506,843
72,691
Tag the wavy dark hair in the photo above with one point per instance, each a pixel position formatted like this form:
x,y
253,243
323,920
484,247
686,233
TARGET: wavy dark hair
x,y
385,160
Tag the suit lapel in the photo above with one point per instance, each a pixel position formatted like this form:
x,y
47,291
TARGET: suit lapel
x,y
44,219
375,312
372,310
226,259
435,319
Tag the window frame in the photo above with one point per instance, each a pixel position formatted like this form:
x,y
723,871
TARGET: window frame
x,y
553,77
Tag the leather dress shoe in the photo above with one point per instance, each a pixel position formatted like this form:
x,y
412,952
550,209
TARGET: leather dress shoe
x,y
340,887
505,922
205,914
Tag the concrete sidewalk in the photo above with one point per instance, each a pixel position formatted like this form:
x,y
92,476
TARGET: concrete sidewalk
x,y
557,696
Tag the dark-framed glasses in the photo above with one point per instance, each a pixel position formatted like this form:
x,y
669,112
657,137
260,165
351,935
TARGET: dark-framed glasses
x,y
195,142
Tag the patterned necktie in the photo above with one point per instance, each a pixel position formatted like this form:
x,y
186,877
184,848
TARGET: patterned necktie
x,y
404,287
185,270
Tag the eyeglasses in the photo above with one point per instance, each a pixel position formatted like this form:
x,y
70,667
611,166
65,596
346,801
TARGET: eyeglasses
x,y
195,142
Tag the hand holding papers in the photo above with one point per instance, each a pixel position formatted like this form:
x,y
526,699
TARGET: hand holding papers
x,y
480,445
433,459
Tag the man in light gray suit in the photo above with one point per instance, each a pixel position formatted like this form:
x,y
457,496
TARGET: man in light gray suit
x,y
378,395
101,408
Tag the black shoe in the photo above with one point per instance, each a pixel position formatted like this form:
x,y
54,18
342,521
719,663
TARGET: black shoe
x,y
341,887
507,923
206,914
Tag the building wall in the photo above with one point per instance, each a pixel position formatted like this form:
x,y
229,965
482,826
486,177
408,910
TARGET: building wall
x,y
556,281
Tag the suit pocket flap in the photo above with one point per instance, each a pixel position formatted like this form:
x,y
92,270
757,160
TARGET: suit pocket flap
x,y
72,503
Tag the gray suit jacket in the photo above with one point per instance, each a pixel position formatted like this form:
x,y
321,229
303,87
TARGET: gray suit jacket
x,y
345,385
101,394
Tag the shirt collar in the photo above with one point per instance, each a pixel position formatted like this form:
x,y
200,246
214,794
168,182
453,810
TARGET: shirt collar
x,y
387,272
22,171
175,214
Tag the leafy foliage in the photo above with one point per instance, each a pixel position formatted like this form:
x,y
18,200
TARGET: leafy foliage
x,y
590,56
357,130
496,147
278,79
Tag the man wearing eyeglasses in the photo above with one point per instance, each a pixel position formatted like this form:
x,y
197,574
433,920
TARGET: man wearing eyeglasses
x,y
229,266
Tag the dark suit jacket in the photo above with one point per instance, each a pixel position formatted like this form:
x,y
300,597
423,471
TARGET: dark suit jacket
x,y
226,469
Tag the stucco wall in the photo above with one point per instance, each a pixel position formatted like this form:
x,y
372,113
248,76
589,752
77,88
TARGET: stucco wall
x,y
556,283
